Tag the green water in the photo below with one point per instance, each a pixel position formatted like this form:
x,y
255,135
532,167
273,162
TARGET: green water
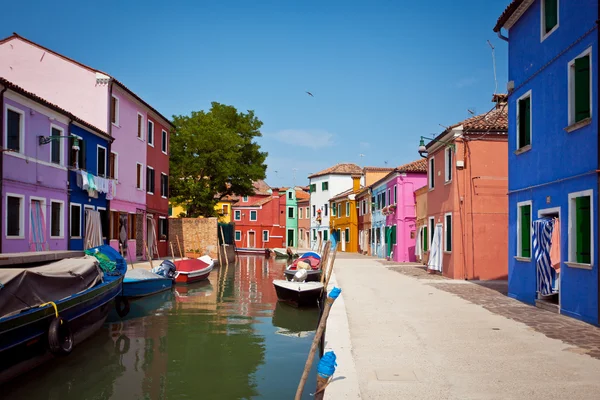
x,y
224,339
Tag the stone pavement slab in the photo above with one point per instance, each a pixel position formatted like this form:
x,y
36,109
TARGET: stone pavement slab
x,y
412,340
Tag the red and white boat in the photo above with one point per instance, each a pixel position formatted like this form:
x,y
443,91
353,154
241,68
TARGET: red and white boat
x,y
192,270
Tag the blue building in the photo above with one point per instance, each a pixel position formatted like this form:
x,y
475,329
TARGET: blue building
x,y
90,162
553,154
378,201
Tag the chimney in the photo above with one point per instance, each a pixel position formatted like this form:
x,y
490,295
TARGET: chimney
x,y
500,99
355,183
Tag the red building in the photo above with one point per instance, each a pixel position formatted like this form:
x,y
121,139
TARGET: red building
x,y
157,182
258,218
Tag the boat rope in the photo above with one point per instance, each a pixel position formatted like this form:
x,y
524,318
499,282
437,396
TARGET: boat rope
x,y
53,304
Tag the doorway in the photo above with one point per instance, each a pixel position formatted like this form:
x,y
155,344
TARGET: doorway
x,y
290,238
343,240
550,300
251,239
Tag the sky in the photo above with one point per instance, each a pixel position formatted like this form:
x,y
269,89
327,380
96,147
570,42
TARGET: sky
x,y
382,72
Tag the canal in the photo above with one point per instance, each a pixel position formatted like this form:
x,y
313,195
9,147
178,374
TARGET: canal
x,y
228,338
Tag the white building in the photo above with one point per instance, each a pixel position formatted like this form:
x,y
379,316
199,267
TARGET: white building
x,y
323,186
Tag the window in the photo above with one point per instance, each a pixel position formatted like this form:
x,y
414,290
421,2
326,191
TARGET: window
x,y
347,232
325,206
15,217
313,188
245,199
524,229
580,91
347,209
524,121
549,17
114,110
314,234
101,167
395,195
163,229
307,215
75,218
448,232
580,227
383,202
424,238
324,186
164,141
448,159
325,235
238,236
253,215
314,211
290,195
164,185
150,133
150,180
15,131
431,230
339,208
79,158
56,146
113,166
373,203
333,209
139,175
237,215
431,173
140,126
290,212
56,219
132,226
300,213
225,209
389,197
265,236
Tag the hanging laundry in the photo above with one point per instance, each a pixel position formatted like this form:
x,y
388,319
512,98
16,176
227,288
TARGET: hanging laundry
x,y
109,191
555,246
542,233
418,245
85,183
91,181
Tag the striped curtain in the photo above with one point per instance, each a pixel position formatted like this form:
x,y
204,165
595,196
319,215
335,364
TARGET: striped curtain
x,y
37,231
542,241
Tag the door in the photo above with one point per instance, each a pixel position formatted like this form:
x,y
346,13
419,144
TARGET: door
x,y
251,239
290,241
343,240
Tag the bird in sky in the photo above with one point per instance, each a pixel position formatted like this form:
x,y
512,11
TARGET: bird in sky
x,y
310,94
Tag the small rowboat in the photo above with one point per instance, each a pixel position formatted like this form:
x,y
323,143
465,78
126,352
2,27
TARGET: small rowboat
x,y
140,283
298,294
192,270
253,251
313,274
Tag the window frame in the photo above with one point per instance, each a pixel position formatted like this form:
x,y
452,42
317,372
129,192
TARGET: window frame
x,y
448,232
572,123
61,225
543,33
114,174
431,174
61,148
300,213
520,255
395,194
263,236
116,115
347,209
572,232
21,198
519,146
161,218
141,128
21,112
164,142
139,167
71,220
149,133
448,157
288,212
236,238
150,184
244,199
98,147
431,229
347,234
255,215
237,215
161,185
324,186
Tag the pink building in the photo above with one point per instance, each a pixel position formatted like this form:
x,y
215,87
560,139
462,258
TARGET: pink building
x,y
103,101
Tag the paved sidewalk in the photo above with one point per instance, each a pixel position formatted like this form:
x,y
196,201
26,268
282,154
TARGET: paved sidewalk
x,y
412,340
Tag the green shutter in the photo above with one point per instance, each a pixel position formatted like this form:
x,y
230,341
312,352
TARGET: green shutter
x,y
347,235
524,122
394,234
582,88
325,237
525,231
448,233
550,14
425,241
584,230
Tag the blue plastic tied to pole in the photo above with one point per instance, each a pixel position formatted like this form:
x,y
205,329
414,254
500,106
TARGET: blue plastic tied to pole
x,y
335,292
327,365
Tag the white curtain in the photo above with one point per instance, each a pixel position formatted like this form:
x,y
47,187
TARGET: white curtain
x,y
93,229
419,245
435,253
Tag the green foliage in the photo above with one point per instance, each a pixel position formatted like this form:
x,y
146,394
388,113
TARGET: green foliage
x,y
213,154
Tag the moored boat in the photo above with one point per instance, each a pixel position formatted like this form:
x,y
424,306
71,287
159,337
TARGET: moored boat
x,y
298,294
314,262
192,270
45,311
253,250
140,283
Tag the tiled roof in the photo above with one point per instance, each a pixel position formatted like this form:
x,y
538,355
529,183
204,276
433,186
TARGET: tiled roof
x,y
339,169
46,103
344,194
378,169
494,121
507,13
415,166
301,195
17,36
261,187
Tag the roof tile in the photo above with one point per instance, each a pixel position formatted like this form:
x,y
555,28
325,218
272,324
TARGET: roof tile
x,y
339,169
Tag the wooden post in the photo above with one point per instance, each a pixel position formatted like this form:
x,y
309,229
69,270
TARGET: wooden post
x,y
149,254
313,347
330,272
179,246
224,252
172,251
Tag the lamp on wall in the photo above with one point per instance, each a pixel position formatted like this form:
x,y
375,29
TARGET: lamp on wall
x,y
47,139
423,150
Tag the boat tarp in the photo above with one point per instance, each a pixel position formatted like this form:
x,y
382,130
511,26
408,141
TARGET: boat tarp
x,y
22,288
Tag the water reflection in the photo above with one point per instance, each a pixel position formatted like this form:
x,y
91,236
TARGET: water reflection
x,y
228,338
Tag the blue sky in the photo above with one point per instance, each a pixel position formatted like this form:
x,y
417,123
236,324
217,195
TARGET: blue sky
x,y
382,73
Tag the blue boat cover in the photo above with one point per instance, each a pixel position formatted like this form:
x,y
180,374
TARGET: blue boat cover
x,y
310,254
107,253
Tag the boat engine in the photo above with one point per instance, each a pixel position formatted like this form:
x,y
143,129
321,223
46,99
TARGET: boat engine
x,y
166,268
300,275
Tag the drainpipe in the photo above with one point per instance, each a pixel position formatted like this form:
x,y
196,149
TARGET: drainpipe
x,y
2,148
501,36
67,211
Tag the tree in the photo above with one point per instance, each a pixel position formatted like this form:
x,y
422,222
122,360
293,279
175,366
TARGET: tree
x,y
213,154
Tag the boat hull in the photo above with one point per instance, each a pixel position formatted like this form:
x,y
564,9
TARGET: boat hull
x,y
24,337
146,287
311,276
304,298
191,277
252,251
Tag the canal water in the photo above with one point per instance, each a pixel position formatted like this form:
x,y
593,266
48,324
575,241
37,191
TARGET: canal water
x,y
224,339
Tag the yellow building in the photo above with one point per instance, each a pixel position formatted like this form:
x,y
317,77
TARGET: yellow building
x,y
223,209
343,222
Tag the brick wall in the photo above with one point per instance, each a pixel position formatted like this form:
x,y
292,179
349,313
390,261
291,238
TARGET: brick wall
x,y
195,234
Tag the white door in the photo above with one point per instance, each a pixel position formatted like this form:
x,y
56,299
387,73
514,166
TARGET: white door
x,y
343,240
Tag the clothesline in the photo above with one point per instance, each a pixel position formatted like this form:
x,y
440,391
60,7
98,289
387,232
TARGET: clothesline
x,y
96,184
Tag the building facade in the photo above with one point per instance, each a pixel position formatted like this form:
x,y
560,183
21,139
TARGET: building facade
x,y
378,219
363,202
421,245
343,223
467,209
553,135
303,219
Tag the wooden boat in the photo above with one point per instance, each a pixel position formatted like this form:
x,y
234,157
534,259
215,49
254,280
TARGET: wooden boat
x,y
140,283
192,270
280,252
313,275
253,251
298,294
45,311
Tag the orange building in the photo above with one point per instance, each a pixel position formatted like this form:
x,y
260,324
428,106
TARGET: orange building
x,y
344,217
467,204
